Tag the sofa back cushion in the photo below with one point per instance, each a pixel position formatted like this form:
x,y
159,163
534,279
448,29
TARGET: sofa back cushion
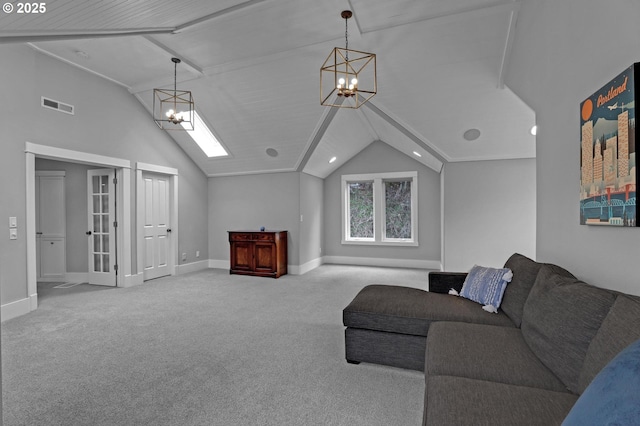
x,y
619,329
525,272
560,318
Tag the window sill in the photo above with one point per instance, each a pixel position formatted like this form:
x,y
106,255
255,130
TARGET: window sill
x,y
381,243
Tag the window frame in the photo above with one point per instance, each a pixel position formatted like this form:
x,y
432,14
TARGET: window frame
x,y
379,208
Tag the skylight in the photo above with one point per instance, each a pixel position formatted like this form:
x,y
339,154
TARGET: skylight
x,y
202,135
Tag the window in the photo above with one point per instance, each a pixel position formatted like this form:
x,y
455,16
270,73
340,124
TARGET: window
x,y
380,208
205,139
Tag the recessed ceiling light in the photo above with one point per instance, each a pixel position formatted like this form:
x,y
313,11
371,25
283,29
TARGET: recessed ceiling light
x,y
417,154
534,130
332,159
272,152
471,134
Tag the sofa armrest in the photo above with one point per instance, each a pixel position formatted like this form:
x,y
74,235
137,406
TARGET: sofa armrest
x,y
442,282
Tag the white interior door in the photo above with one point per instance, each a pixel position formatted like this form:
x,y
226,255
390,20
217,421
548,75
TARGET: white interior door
x,y
101,200
157,226
50,226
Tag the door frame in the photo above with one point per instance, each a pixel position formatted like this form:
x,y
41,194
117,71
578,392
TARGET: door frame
x,y
172,175
123,172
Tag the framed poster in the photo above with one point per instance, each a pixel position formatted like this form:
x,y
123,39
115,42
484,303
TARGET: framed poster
x,y
609,143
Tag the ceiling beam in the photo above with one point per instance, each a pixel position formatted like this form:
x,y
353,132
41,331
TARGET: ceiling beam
x,y
221,13
506,54
317,135
172,53
407,131
465,13
52,35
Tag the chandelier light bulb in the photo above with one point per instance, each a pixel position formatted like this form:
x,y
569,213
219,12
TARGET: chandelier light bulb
x,y
169,113
354,81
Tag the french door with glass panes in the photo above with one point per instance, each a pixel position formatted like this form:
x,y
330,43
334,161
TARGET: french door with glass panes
x,y
101,202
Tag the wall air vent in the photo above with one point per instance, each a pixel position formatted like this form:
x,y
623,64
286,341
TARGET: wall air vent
x,y
58,106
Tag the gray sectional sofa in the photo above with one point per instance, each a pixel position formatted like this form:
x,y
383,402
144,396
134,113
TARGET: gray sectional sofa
x,y
528,364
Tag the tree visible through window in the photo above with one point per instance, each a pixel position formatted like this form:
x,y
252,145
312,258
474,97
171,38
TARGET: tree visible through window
x,y
361,209
380,208
397,197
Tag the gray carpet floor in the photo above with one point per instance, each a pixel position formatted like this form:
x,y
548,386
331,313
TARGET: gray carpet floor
x,y
205,348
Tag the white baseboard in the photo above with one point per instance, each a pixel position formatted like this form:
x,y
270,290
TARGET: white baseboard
x,y
391,263
132,280
77,277
218,264
54,279
18,308
310,266
192,267
291,269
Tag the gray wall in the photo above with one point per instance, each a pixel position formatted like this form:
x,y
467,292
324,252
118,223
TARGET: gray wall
x,y
75,182
311,210
380,158
489,212
249,202
563,52
108,121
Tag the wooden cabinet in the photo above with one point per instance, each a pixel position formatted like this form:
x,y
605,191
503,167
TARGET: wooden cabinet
x,y
260,253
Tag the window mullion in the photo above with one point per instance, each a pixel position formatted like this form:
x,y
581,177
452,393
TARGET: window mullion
x,y
379,213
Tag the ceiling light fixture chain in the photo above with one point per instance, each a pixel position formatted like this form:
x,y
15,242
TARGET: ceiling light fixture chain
x,y
346,14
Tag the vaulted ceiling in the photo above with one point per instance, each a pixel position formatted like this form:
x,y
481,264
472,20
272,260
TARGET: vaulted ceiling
x,y
254,67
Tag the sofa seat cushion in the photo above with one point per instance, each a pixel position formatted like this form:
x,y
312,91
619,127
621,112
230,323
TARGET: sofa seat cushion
x,y
561,317
460,401
485,352
408,310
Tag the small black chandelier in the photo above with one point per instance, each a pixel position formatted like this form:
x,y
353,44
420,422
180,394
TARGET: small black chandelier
x,y
173,109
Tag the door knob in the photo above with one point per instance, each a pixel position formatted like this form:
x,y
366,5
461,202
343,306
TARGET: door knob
x,y
88,232
169,230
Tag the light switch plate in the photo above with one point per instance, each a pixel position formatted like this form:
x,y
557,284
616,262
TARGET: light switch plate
x,y
13,234
13,222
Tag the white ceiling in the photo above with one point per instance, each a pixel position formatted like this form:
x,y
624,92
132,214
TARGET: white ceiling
x,y
254,67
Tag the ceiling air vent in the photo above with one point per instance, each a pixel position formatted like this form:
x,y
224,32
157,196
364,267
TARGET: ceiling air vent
x,y
58,106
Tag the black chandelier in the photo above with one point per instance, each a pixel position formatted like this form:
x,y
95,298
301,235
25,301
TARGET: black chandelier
x,y
173,109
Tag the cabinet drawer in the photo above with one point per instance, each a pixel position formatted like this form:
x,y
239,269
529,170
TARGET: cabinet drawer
x,y
240,236
264,237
